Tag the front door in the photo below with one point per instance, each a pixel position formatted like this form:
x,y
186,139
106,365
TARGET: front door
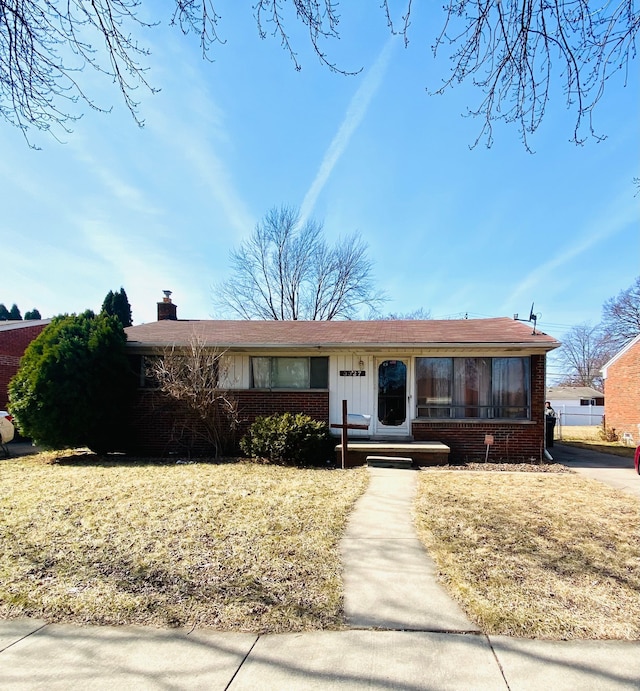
x,y
391,417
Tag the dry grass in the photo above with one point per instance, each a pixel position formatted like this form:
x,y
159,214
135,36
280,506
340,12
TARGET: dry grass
x,y
586,433
536,555
588,437
232,546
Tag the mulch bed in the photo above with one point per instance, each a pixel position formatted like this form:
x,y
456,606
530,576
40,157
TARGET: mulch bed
x,y
506,467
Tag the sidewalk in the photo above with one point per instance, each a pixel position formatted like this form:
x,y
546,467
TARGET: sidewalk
x,y
406,634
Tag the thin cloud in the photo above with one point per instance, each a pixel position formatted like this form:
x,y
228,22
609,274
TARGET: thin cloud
x,y
355,115
142,268
197,141
618,216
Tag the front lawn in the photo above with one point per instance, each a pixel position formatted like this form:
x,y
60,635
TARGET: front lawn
x,y
540,555
233,546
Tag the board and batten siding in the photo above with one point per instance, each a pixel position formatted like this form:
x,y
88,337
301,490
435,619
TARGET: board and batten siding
x,y
358,391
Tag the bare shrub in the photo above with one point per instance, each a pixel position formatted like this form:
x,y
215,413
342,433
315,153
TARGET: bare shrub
x,y
191,376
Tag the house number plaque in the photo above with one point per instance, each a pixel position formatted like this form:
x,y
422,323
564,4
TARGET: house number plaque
x,y
352,373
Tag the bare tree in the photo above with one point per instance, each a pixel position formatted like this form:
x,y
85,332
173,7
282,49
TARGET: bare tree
x,y
505,48
585,349
192,376
508,49
621,315
287,271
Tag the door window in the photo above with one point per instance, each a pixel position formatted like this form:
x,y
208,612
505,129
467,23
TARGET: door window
x,y
392,393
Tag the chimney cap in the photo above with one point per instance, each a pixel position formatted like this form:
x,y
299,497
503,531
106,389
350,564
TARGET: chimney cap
x,y
167,295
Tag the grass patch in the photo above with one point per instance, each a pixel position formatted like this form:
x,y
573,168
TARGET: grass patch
x,y
536,555
588,437
232,546
585,433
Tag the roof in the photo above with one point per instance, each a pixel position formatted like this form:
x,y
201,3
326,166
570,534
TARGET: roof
x,y
499,332
12,324
572,393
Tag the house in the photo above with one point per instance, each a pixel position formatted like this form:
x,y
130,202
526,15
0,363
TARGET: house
x,y
576,405
622,388
460,383
15,336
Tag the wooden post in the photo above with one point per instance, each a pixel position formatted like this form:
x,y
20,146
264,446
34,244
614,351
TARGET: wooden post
x,y
344,435
344,427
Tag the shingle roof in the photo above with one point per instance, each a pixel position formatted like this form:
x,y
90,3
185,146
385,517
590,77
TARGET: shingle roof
x,y
572,393
241,334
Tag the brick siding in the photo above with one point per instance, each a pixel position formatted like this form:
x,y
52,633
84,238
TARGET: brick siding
x,y
13,343
162,427
622,393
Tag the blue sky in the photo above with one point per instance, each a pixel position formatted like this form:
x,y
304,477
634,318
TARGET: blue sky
x,y
453,230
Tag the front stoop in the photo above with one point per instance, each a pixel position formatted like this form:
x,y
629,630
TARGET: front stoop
x,y
422,453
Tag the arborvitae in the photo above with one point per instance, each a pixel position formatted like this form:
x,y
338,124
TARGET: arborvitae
x,y
117,305
73,384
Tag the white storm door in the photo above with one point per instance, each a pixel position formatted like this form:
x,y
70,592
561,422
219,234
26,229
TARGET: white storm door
x,y
392,409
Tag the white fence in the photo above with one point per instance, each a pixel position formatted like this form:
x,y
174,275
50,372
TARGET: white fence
x,y
572,415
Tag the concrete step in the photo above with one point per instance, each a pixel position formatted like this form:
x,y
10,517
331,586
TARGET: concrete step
x,y
389,462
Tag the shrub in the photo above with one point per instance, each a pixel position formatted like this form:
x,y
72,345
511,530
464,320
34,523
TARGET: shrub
x,y
288,438
74,383
607,433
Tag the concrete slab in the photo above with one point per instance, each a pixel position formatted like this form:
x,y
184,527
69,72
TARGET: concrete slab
x,y
369,660
14,630
389,579
21,448
568,665
74,657
423,453
389,461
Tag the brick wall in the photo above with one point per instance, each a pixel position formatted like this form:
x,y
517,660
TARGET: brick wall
x,y
514,441
160,426
253,404
13,343
622,393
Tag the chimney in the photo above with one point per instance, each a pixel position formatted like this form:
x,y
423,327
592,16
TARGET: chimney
x,y
166,308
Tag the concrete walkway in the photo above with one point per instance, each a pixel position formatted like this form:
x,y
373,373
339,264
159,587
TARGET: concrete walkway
x,y
407,634
389,579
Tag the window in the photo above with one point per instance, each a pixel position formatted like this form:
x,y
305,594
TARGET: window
x,y
289,372
142,368
473,387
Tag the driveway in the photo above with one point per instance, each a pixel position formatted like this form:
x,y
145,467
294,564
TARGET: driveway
x,y
615,471
20,448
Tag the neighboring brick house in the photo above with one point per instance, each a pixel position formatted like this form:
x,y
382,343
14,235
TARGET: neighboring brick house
x,y
15,336
453,381
622,392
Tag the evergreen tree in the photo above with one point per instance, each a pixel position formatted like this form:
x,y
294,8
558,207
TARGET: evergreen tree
x,y
33,314
14,313
117,305
4,313
74,384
